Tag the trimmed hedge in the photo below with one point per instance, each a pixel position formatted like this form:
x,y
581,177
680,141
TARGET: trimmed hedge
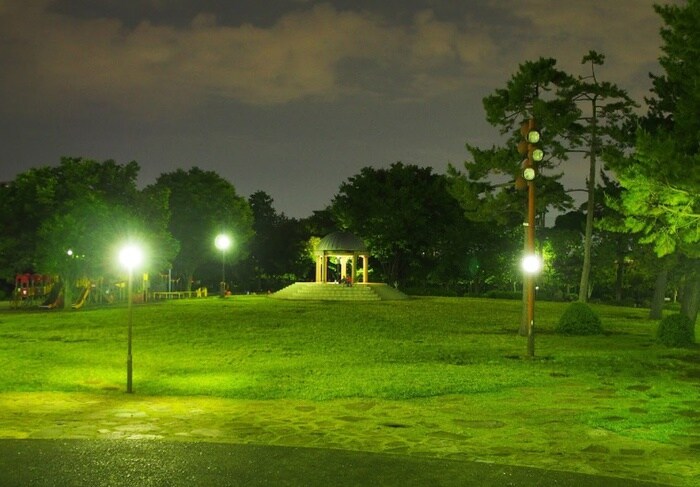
x,y
676,330
579,319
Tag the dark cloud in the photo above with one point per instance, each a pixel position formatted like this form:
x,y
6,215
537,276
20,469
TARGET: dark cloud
x,y
299,88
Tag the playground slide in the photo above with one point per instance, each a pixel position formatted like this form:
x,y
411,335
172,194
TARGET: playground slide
x,y
54,298
82,298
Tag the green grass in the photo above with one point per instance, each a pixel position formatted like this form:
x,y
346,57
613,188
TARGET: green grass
x,y
263,349
257,348
435,366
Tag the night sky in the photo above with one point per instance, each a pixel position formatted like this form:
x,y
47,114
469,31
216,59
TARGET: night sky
x,y
291,97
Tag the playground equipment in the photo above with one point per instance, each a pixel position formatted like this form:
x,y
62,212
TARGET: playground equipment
x,y
45,291
48,292
31,289
82,297
54,299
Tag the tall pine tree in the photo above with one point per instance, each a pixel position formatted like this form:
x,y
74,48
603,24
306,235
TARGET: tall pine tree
x,y
662,178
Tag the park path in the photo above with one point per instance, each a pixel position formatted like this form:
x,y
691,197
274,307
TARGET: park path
x,y
470,428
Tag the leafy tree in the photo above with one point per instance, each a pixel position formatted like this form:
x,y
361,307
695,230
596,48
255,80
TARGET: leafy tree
x,y
405,215
320,223
316,226
278,249
492,257
84,206
564,241
662,186
26,202
202,204
64,249
82,242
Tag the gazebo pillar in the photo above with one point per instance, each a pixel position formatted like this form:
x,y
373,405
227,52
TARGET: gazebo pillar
x,y
319,267
352,265
325,268
343,267
365,268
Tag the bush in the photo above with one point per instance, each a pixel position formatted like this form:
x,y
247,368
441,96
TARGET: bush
x,y
579,319
676,331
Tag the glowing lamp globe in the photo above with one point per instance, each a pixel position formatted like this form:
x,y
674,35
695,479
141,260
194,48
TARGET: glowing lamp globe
x,y
130,256
532,264
222,242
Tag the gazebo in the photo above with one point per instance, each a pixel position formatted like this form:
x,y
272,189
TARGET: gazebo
x,y
347,248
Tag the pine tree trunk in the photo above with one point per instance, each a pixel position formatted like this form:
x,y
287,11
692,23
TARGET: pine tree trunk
x,y
590,208
657,303
691,292
619,276
586,270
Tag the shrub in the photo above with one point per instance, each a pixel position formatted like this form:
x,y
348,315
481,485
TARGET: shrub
x,y
579,319
676,331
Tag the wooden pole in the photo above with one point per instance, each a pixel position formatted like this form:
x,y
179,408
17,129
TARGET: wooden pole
x,y
531,277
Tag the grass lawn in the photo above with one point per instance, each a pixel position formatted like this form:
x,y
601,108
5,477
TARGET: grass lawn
x,y
456,363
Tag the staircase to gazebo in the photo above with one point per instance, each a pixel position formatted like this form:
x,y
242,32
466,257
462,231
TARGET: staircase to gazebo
x,y
338,292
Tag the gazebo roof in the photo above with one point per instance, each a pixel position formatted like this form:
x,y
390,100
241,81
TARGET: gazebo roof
x,y
341,241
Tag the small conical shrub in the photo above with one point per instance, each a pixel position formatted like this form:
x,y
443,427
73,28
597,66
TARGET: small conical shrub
x,y
579,319
676,331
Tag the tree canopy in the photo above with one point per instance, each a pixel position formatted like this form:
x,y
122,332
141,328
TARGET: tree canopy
x,y
487,191
203,204
406,216
278,249
83,208
661,179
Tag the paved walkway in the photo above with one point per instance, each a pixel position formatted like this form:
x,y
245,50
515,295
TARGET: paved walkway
x,y
105,463
436,429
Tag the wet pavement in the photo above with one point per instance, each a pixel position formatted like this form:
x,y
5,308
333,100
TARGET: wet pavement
x,y
109,463
448,440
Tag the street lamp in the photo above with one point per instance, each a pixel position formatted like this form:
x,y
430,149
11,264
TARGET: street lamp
x,y
528,147
531,265
222,242
130,257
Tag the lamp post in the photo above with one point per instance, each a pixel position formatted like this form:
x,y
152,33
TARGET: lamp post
x,y
222,242
531,264
528,146
130,257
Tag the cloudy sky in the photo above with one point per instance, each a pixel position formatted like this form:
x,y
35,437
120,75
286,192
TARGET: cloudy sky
x,y
292,97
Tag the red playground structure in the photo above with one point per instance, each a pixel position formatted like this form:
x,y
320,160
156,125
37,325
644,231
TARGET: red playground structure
x,y
32,289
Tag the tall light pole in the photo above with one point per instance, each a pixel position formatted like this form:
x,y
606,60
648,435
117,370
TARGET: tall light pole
x,y
528,147
222,242
130,257
532,265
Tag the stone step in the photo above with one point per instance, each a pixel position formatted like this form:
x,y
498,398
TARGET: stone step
x,y
338,292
